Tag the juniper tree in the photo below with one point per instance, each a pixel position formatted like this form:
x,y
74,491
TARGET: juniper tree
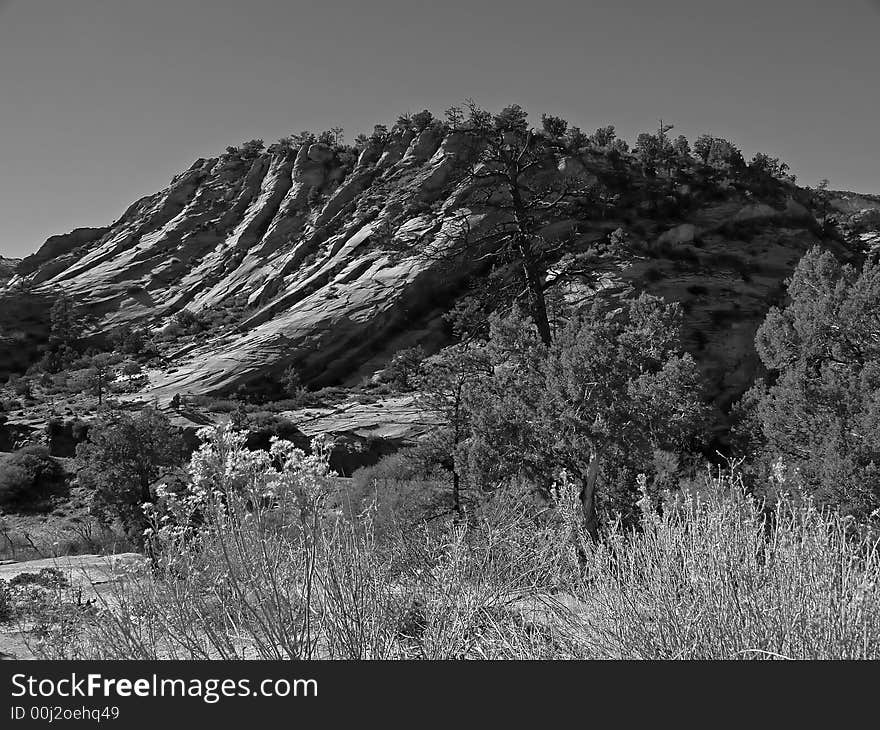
x,y
65,329
553,126
717,152
611,386
99,373
771,166
603,136
404,366
122,458
681,146
821,414
654,150
454,117
422,120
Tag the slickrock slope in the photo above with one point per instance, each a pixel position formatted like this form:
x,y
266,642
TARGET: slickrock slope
x,y
292,256
91,579
282,243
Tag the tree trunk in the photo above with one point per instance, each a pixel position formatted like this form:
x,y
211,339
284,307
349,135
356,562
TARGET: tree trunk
x,y
145,493
456,492
537,304
588,499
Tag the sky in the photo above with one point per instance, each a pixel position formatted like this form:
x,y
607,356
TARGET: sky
x,y
104,101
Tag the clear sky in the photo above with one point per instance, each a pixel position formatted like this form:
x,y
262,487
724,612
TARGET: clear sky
x,y
103,101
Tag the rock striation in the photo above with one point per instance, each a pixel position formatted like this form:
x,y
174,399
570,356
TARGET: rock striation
x,y
312,256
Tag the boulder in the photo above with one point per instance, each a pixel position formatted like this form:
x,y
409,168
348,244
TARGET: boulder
x,y
685,233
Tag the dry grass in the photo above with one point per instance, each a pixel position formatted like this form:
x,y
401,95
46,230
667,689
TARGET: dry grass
x,y
722,578
70,532
717,577
271,592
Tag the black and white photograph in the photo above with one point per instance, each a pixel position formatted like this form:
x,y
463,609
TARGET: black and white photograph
x,y
467,330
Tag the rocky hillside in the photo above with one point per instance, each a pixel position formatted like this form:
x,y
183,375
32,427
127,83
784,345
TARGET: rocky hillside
x,y
313,255
7,269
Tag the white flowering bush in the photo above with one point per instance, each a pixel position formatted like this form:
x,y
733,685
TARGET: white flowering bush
x,y
248,561
233,556
228,482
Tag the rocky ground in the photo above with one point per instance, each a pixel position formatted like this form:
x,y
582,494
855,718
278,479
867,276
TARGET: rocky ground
x,y
90,581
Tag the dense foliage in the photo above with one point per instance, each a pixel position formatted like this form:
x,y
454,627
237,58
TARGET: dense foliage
x,y
122,458
611,389
29,476
818,418
249,563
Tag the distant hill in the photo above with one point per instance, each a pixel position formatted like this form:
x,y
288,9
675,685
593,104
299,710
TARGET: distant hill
x,y
311,254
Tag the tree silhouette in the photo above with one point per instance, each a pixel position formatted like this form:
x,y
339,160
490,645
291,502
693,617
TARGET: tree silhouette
x,y
522,179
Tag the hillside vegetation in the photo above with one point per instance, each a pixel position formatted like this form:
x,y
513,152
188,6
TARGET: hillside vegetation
x,y
467,388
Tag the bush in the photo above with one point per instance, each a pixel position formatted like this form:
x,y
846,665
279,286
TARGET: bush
x,y
6,611
293,386
252,564
80,430
721,576
187,322
263,426
819,420
21,386
62,436
401,487
29,476
571,406
122,458
46,578
404,367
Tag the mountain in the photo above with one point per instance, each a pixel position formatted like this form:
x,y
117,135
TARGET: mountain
x,y
312,255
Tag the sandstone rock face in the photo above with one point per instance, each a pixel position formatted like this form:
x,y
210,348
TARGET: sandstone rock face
x,y
312,258
684,233
398,418
57,247
854,203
